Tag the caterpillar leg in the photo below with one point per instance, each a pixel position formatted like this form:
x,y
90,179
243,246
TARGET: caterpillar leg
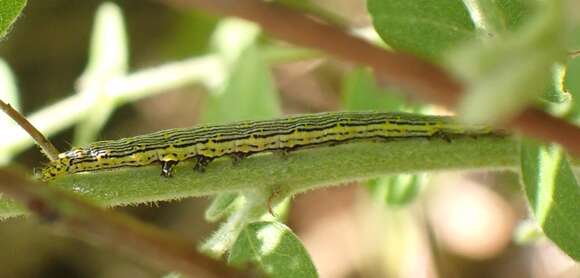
x,y
238,156
167,168
442,135
201,162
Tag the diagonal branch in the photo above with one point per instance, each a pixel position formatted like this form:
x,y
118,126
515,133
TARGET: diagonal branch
x,y
425,80
47,147
83,220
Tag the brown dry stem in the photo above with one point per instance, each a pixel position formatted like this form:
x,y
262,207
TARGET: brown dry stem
x,y
424,80
47,147
88,222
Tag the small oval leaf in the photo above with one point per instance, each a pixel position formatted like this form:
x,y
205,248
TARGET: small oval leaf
x,y
274,248
422,27
222,205
397,190
553,193
9,11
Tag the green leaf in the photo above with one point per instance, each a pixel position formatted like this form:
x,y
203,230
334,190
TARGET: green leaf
x,y
514,12
249,93
553,193
556,92
191,34
9,94
8,87
399,190
108,59
360,92
222,240
572,84
486,17
251,209
108,55
274,248
222,205
233,36
279,211
494,17
422,27
9,11
505,73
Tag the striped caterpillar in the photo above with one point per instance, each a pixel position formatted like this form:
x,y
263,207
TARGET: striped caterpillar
x,y
205,143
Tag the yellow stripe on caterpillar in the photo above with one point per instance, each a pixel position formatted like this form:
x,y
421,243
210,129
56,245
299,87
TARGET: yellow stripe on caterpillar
x,y
238,140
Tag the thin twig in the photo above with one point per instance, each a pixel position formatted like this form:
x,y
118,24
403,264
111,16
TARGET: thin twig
x,y
47,147
427,81
574,54
88,222
406,71
137,85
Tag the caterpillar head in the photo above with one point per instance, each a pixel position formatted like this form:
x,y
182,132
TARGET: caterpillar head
x,y
56,168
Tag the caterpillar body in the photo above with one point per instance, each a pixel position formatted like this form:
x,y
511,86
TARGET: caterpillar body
x,y
238,140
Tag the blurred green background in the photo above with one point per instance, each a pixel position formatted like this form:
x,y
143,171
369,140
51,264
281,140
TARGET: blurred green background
x,y
460,225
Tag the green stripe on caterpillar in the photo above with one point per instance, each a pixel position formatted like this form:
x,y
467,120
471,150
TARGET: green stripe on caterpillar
x,y
205,143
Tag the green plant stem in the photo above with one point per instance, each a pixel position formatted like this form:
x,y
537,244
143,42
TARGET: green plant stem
x,y
297,172
223,239
205,69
